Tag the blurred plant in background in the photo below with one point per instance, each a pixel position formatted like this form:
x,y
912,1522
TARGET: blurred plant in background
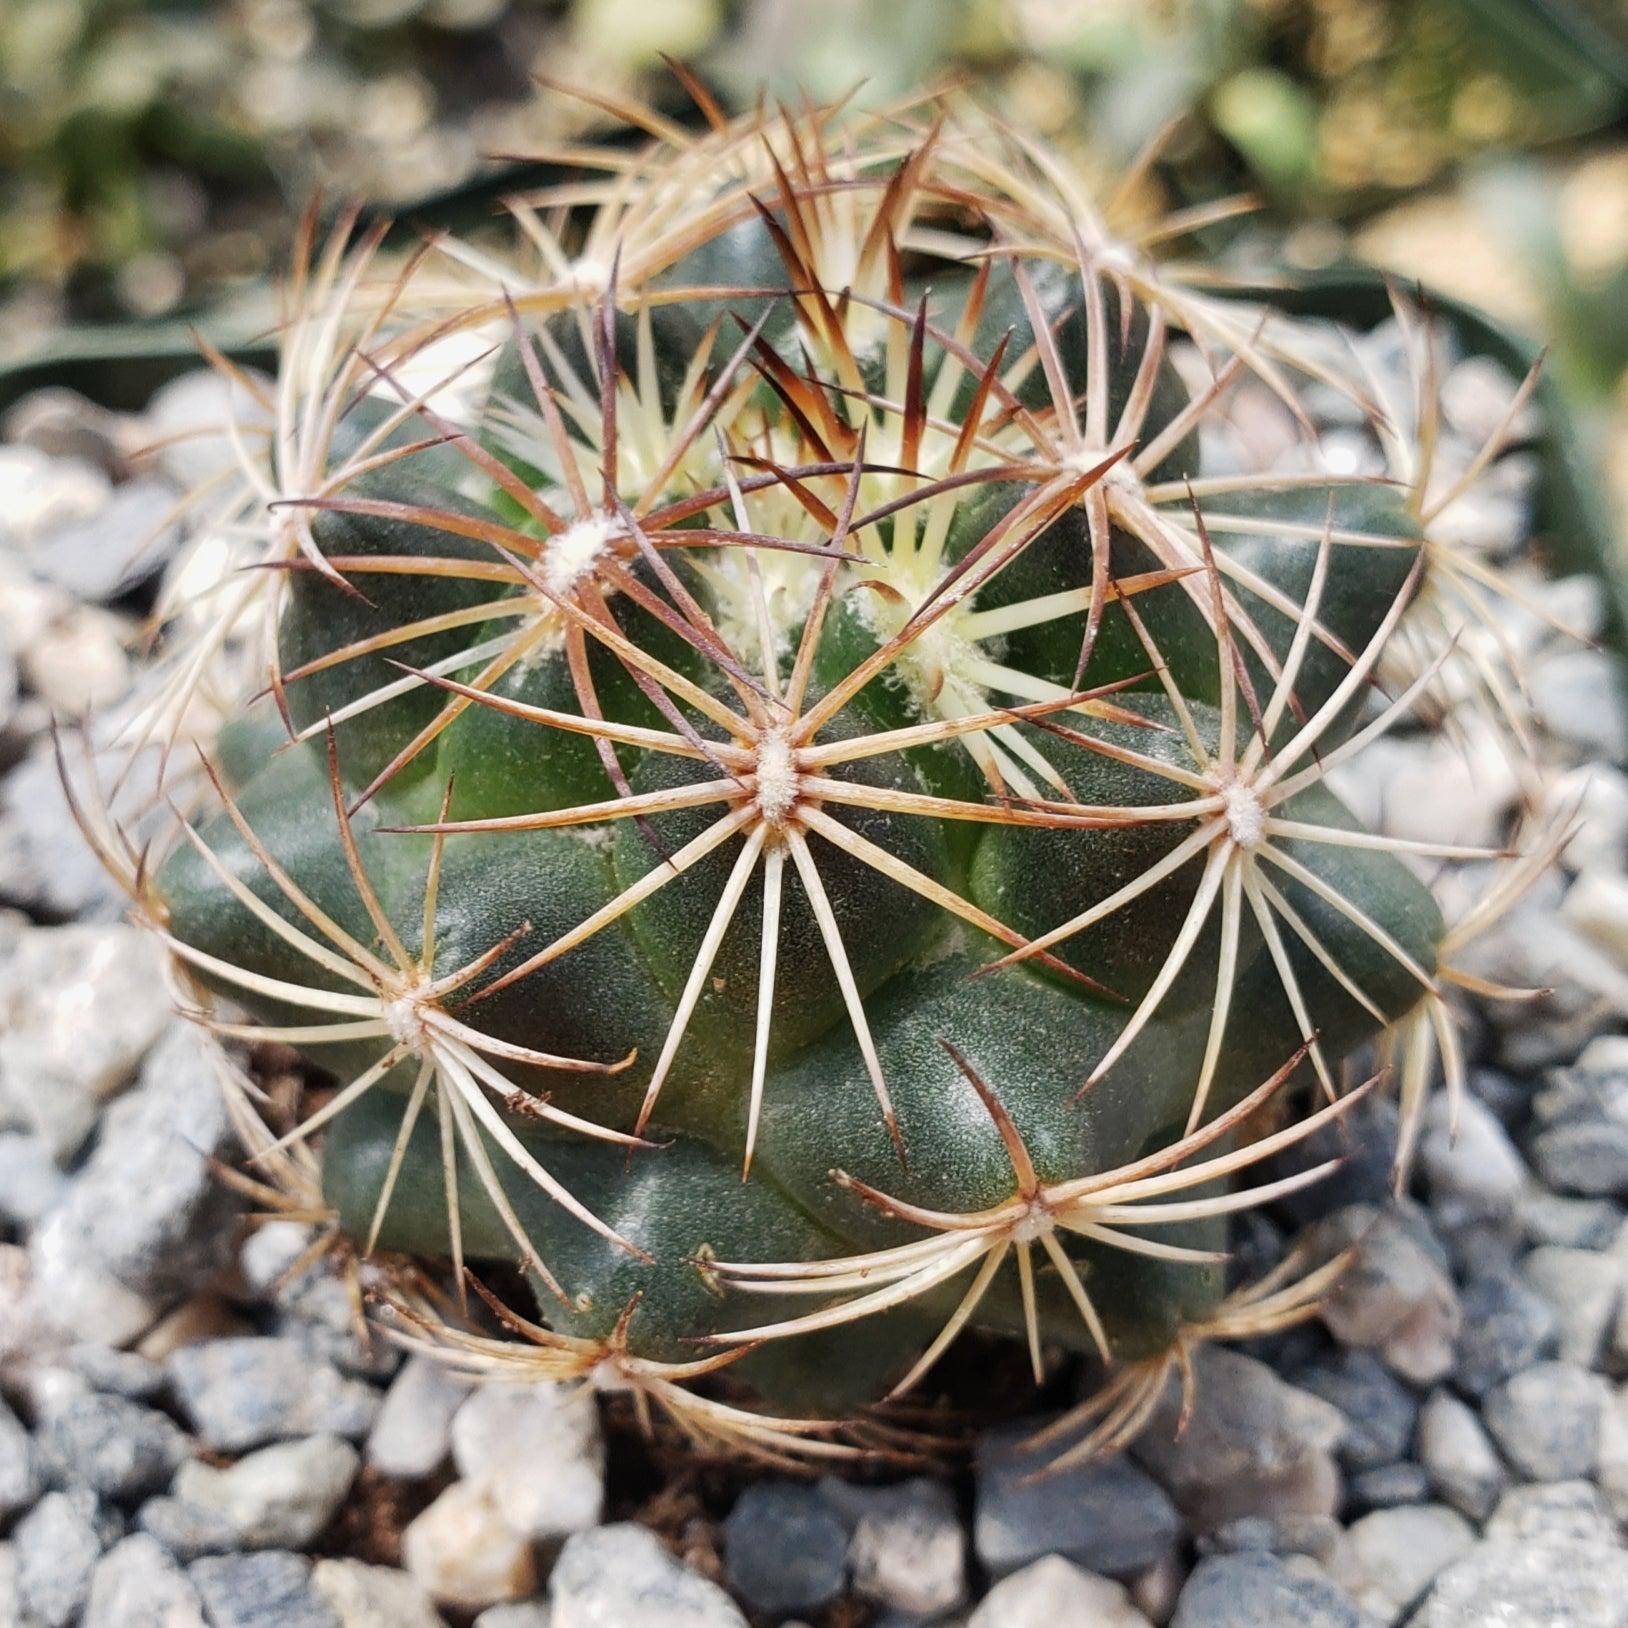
x,y
153,152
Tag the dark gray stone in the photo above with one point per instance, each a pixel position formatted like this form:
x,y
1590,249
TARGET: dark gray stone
x,y
1316,1536
1389,1486
1587,1156
785,1548
1546,1420
1254,1444
1458,1456
244,1392
1379,1409
1256,1590
1575,1223
1507,1327
114,1446
269,1590
1109,1517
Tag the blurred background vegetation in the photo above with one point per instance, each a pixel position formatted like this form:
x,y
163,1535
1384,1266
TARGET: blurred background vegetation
x,y
154,152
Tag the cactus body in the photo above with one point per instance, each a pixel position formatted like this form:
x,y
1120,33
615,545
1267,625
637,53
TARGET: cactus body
x,y
799,821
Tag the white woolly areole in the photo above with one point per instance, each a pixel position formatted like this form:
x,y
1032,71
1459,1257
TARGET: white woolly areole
x,y
1035,1224
1246,815
571,554
404,1017
776,778
608,1378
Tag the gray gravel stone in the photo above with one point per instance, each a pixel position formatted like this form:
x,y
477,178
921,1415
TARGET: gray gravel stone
x,y
20,1479
364,1596
1546,1420
58,1543
1255,1445
146,1222
1256,1590
117,1373
518,1614
1582,1288
115,1447
30,1180
1553,1509
1584,1156
785,1547
1055,1593
1506,1328
1379,1409
185,1531
137,1584
1472,1170
127,541
1109,1517
1389,1487
618,1575
501,1433
244,1392
11,1610
79,1006
909,1550
411,1436
269,1590
1396,1297
1399,1553
1458,1456
278,1498
1554,1584
1574,1223
1319,1537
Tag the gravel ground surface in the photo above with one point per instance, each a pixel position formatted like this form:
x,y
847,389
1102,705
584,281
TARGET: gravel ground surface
x,y
191,1433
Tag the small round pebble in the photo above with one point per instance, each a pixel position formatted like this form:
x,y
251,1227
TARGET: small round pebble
x,y
1458,1456
1546,1420
620,1575
785,1549
364,1596
465,1554
268,1590
1254,1590
1052,1593
137,1584
278,1498
114,1446
1507,1327
1398,1552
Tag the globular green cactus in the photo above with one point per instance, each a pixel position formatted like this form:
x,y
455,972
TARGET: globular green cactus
x,y
796,813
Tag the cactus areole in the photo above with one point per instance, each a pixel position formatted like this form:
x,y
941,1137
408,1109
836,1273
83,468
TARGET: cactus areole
x,y
783,798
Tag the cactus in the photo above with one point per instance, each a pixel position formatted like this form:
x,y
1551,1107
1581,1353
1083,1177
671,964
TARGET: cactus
x,y
795,817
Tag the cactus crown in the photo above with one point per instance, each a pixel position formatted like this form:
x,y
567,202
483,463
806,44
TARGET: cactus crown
x,y
781,768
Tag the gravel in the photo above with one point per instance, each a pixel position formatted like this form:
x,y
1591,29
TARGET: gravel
x,y
1252,1589
1546,1420
1051,1592
278,1498
137,1584
785,1548
242,1393
188,1438
618,1575
270,1590
1109,1517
